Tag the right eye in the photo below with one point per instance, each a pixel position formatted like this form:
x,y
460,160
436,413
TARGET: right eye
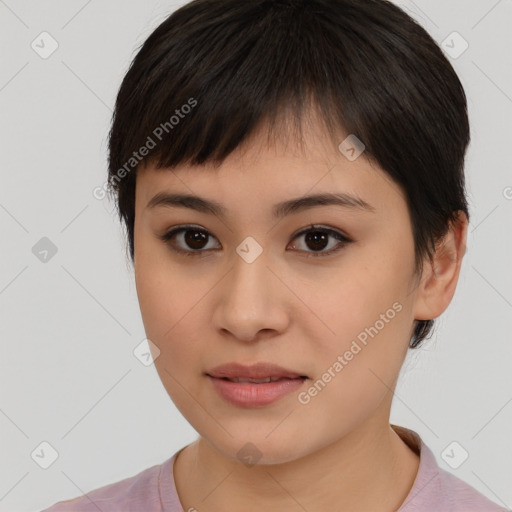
x,y
188,240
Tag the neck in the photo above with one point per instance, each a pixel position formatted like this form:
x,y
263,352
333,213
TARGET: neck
x,y
369,469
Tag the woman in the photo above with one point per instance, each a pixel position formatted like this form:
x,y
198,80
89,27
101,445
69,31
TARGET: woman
x,y
290,176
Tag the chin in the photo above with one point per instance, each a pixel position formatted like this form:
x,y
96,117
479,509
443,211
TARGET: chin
x,y
260,449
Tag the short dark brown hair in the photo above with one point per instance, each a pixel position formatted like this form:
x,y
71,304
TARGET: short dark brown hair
x,y
365,65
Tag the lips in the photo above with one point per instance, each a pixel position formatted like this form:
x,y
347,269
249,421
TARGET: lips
x,y
258,373
258,385
255,381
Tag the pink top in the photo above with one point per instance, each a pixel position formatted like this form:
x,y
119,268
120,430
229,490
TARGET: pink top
x,y
153,489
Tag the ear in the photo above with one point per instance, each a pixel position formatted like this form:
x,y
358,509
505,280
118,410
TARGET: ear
x,y
440,276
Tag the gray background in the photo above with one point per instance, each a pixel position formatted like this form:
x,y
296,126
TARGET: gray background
x,y
69,325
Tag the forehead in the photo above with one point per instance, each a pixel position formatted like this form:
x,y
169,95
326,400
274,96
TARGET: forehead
x,y
261,173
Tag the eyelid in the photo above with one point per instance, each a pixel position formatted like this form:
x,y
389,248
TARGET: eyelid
x,y
320,227
172,232
342,238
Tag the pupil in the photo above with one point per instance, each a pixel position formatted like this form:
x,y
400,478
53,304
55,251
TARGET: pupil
x,y
318,240
197,240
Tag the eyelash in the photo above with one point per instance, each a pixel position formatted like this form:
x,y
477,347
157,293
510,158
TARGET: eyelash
x,y
344,240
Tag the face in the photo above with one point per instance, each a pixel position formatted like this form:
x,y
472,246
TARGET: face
x,y
333,302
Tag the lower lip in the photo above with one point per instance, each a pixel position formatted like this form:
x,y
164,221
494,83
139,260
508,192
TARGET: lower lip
x,y
248,394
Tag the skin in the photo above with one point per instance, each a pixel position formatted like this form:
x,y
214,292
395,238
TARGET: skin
x,y
339,450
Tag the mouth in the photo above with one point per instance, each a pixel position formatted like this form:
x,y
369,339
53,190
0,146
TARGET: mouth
x,y
260,372
258,381
256,385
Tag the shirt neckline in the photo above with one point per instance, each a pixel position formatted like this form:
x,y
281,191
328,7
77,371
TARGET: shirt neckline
x,y
426,475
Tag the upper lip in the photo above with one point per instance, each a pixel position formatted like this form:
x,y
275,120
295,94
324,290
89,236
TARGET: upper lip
x,y
259,370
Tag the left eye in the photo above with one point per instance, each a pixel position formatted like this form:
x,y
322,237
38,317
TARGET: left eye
x,y
195,240
317,239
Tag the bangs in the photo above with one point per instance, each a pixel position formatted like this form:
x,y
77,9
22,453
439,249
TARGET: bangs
x,y
200,97
216,72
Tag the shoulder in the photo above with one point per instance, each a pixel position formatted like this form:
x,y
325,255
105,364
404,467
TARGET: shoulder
x,y
135,493
462,497
437,489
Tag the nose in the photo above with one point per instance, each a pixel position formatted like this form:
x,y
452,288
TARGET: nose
x,y
251,302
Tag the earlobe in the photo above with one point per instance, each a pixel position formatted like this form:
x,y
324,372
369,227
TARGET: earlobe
x,y
440,276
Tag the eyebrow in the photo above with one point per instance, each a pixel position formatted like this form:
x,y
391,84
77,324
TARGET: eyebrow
x,y
291,206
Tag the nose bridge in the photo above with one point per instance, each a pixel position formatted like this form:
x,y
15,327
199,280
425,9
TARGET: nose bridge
x,y
249,299
249,283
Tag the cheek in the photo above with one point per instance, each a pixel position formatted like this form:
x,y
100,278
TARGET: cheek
x,y
155,303
172,310
367,299
160,288
172,317
162,299
357,367
367,307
